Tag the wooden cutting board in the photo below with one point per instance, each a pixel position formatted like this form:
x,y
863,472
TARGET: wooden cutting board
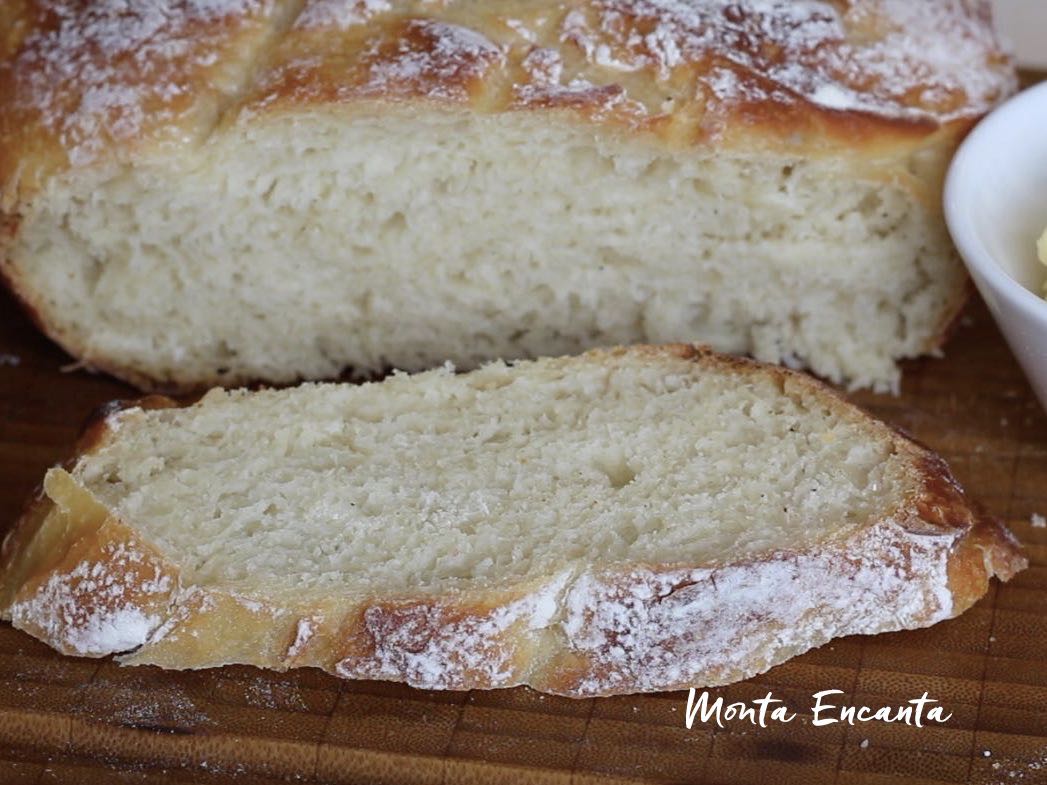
x,y
87,721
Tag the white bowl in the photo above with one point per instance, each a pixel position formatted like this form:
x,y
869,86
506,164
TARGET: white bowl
x,y
996,208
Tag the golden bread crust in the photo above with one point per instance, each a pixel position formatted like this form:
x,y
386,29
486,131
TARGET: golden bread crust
x,y
590,630
87,83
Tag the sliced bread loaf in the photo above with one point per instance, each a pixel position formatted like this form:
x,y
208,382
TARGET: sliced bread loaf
x,y
628,520
240,190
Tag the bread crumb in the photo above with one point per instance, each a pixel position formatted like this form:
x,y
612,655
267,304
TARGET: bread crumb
x,y
1038,521
73,367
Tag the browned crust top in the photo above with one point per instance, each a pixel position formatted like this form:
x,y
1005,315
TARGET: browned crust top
x,y
86,82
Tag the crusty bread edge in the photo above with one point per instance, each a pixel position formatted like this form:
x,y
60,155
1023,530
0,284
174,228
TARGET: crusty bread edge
x,y
581,633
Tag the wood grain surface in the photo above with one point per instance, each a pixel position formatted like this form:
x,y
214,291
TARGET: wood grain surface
x,y
66,720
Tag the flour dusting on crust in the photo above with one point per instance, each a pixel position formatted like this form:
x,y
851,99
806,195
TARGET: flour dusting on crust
x,y
100,606
304,632
429,57
655,630
102,78
437,645
894,58
100,73
340,14
646,629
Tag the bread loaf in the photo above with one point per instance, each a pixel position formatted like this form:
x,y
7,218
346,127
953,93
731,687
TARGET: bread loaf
x,y
641,519
198,193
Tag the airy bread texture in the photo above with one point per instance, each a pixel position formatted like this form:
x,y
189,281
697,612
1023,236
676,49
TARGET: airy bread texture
x,y
632,520
259,190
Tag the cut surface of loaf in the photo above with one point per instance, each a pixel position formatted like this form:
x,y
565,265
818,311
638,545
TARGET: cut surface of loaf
x,y
628,520
272,190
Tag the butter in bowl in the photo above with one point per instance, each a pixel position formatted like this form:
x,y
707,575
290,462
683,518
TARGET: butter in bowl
x,y
996,208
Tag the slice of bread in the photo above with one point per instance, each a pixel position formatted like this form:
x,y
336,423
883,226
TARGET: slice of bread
x,y
240,190
628,520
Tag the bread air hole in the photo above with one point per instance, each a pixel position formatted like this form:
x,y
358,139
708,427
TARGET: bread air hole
x,y
617,469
